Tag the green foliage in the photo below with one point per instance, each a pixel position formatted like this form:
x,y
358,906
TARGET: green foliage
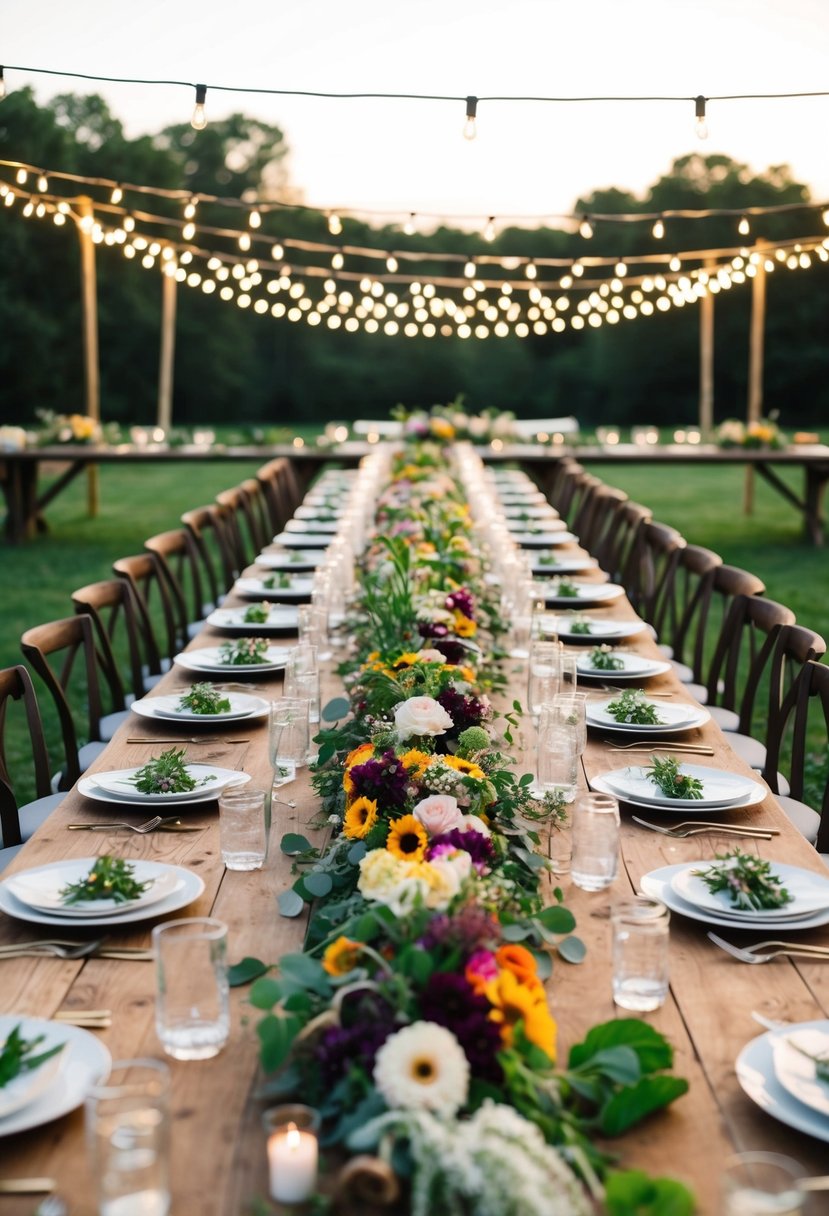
x,y
633,1193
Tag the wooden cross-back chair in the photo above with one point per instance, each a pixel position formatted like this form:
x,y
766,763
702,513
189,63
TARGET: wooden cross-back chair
x,y
19,821
154,607
120,634
614,545
180,565
787,740
682,610
209,533
650,565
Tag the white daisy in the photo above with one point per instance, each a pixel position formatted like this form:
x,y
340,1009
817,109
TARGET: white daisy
x,y
423,1066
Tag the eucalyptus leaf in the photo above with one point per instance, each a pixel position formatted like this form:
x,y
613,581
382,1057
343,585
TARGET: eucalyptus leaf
x,y
633,1193
515,933
293,843
290,903
319,884
305,972
276,1035
572,949
245,971
337,708
557,919
265,993
543,964
357,852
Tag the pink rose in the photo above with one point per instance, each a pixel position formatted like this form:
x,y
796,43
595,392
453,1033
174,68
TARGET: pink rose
x,y
421,716
430,656
439,813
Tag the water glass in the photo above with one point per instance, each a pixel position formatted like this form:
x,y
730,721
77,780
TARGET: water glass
x,y
568,673
557,756
571,707
302,678
542,682
128,1137
312,626
762,1184
595,841
243,827
640,953
289,737
192,1012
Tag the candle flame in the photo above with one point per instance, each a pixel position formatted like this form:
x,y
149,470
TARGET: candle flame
x,y
293,1139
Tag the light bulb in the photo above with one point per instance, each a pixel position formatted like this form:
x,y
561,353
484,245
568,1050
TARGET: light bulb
x,y
469,270
244,242
675,263
199,120
22,176
391,264
744,228
531,271
277,253
577,269
189,231
825,217
190,210
337,261
117,194
409,226
489,229
470,128
585,228
255,219
335,224
621,270
700,124
658,230
42,183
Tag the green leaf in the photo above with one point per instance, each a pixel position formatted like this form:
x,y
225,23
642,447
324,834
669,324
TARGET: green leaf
x,y
305,972
633,1193
318,883
335,709
516,705
531,860
543,964
653,1049
357,852
557,919
634,1102
276,1036
526,780
245,971
415,962
266,993
293,843
572,949
516,933
619,1064
325,753
290,904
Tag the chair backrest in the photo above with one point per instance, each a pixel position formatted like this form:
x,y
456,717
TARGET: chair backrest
x,y
154,605
180,564
232,507
255,510
120,635
681,617
598,514
614,545
742,653
16,685
207,530
73,641
794,647
273,477
650,566
790,733
552,475
578,488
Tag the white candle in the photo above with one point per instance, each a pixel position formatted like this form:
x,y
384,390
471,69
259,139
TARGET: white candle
x,y
292,1158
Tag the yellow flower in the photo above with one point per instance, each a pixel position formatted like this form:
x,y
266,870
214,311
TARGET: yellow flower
x,y
514,1002
406,659
341,956
359,755
468,674
464,627
407,839
82,426
417,761
465,766
442,429
518,959
360,818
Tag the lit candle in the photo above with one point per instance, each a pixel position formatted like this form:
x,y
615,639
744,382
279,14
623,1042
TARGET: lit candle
x,y
292,1158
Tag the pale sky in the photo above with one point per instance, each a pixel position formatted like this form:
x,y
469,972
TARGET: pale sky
x,y
528,159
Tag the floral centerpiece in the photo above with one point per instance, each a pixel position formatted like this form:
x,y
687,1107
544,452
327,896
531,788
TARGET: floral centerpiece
x,y
450,423
762,433
74,429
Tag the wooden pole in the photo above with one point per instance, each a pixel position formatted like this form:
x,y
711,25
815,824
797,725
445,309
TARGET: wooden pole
x,y
89,305
168,345
755,361
706,361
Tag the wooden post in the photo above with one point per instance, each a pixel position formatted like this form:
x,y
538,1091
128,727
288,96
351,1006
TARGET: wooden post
x,y
706,360
89,304
168,344
755,361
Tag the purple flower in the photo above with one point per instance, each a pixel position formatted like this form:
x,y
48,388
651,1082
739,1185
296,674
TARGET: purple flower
x,y
464,711
462,600
367,1023
432,629
477,846
449,1000
383,780
468,930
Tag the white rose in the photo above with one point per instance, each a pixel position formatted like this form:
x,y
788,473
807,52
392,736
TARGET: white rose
x,y
430,656
421,716
439,813
471,823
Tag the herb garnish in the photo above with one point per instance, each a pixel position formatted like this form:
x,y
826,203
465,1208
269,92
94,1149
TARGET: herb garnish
x,y
256,614
204,699
632,707
244,652
673,783
821,1063
747,880
581,625
109,878
566,589
280,581
603,659
16,1055
166,774
548,559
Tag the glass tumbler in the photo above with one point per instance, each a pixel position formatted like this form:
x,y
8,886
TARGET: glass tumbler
x,y
302,678
192,1011
640,953
289,737
128,1138
595,841
542,682
762,1184
243,828
557,755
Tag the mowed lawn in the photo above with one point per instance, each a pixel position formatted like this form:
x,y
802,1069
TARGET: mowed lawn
x,y
136,501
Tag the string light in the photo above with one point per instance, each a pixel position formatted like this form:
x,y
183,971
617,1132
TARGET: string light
x,y
700,122
658,230
21,177
335,224
391,264
255,219
531,270
409,226
585,228
42,183
489,231
116,196
199,119
470,127
744,227
2,84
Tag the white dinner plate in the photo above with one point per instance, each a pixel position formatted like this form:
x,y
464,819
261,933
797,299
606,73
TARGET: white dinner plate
x,y
719,788
565,564
557,538
527,510
23,1089
88,787
754,798
600,630
209,660
296,561
300,588
189,887
281,617
673,718
41,888
541,540
312,540
756,1075
166,707
658,884
209,781
587,593
809,891
636,667
86,1062
795,1071
316,524
319,511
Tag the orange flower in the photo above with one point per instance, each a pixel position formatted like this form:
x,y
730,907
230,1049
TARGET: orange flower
x,y
407,839
341,956
520,962
359,755
513,1002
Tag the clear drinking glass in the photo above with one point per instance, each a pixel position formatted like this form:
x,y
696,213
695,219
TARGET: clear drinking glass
x,y
302,678
192,1012
128,1138
243,835
571,708
543,676
557,754
289,737
640,953
595,841
312,625
762,1184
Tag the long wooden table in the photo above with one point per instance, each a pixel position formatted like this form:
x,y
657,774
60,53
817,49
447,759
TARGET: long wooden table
x,y
218,1151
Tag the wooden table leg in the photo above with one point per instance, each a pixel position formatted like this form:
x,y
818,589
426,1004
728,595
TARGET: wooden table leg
x,y
816,477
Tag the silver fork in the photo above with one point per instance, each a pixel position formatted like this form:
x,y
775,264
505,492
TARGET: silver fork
x,y
72,950
694,828
780,949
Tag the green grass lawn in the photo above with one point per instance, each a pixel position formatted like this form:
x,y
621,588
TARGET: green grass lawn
x,y
705,503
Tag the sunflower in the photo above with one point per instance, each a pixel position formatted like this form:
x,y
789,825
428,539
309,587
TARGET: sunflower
x,y
512,1002
407,839
417,761
359,755
360,818
518,960
464,626
405,660
341,956
465,766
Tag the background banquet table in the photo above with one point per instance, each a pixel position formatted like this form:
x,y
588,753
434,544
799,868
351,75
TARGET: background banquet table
x,y
218,1151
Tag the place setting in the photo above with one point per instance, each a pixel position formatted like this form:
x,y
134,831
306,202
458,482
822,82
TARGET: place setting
x,y
606,663
247,656
576,628
786,1073
291,561
267,618
312,522
304,539
282,585
631,712
671,786
563,592
577,562
164,780
201,705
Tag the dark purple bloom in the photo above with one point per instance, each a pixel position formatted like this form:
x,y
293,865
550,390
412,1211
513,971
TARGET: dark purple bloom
x,y
383,779
464,711
368,1021
468,930
462,600
448,999
432,629
478,847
